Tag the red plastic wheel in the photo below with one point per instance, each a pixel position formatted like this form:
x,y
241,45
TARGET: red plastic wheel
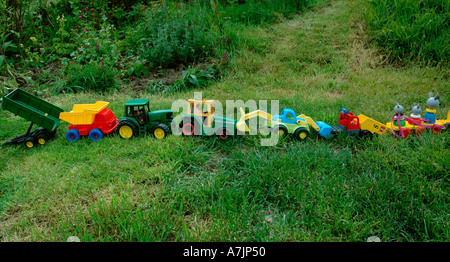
x,y
406,132
436,130
224,135
188,129
419,130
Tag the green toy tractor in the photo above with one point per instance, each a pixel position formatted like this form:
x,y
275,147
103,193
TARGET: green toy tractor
x,y
201,120
139,120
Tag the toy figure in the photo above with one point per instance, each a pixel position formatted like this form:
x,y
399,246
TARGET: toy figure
x,y
432,102
399,112
398,120
416,111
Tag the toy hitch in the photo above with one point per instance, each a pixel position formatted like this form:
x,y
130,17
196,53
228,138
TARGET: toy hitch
x,y
40,132
19,139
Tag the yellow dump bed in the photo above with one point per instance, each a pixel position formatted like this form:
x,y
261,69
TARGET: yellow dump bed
x,y
83,114
373,126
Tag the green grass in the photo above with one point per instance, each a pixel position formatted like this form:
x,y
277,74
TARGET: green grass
x,y
203,189
411,29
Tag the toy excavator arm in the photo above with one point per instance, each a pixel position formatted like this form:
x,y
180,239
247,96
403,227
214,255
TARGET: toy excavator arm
x,y
242,126
310,122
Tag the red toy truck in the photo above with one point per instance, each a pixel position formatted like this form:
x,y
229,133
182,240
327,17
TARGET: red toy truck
x,y
360,125
93,120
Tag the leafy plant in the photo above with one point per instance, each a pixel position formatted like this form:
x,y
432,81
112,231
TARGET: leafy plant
x,y
172,35
192,78
91,77
137,69
4,46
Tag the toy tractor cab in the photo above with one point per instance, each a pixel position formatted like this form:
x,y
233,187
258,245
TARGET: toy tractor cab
x,y
200,119
138,109
348,122
139,120
203,109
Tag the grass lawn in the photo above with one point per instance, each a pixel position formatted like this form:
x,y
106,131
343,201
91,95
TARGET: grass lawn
x,y
203,189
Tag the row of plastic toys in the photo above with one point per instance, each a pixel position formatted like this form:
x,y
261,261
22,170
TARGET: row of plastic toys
x,y
199,117
415,123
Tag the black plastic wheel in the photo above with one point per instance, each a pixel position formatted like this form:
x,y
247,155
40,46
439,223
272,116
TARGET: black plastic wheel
x,y
127,129
190,127
223,134
366,134
30,142
301,134
280,130
160,131
42,139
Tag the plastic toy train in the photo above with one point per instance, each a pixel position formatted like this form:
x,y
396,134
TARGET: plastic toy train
x,y
96,121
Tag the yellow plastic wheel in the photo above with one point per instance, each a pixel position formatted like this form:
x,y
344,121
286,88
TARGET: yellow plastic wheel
x,y
29,144
159,133
126,131
303,135
41,141
281,132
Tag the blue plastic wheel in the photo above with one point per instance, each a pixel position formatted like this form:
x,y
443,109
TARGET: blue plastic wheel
x,y
72,135
95,135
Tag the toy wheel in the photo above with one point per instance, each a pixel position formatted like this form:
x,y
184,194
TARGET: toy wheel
x,y
95,135
42,139
419,130
160,131
406,132
436,130
72,135
281,131
127,129
188,128
366,134
30,142
301,134
223,134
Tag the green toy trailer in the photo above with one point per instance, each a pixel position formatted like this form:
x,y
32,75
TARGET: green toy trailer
x,y
37,111
139,120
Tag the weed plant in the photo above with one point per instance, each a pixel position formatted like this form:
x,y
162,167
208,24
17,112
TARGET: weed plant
x,y
90,77
171,35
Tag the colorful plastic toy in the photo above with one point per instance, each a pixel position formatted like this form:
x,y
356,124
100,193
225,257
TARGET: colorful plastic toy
x,y
360,125
93,120
96,121
242,126
139,120
37,111
430,114
416,111
298,126
201,120
402,126
444,122
286,124
432,103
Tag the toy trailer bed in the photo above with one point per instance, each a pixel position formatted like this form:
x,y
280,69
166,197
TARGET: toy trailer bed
x,y
37,111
